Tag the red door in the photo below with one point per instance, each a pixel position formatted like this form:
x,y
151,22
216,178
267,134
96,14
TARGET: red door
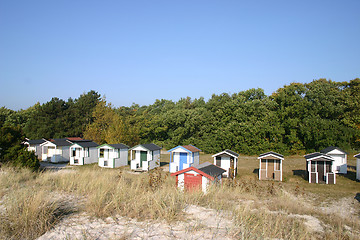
x,y
192,182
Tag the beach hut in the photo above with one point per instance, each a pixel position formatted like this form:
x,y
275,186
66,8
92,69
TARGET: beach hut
x,y
227,160
198,177
270,166
182,157
145,157
35,146
340,159
58,150
83,152
357,156
319,168
113,155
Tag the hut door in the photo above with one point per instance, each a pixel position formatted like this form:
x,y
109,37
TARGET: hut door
x,y
270,169
183,160
143,157
321,173
192,182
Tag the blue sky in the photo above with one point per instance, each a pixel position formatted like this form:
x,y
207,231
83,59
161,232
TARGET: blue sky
x,y
138,51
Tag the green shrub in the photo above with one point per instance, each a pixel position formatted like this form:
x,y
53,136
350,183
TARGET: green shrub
x,y
20,157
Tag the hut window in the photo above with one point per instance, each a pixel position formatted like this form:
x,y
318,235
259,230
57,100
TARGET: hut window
x,y
133,154
101,153
218,161
73,152
313,166
328,166
87,153
277,165
105,163
263,164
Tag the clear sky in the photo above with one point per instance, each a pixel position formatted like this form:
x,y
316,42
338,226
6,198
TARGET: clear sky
x,y
139,51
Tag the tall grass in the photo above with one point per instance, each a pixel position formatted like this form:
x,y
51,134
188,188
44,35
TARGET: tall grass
x,y
110,192
28,214
252,205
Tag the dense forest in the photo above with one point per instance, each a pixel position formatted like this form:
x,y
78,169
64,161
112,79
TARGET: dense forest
x,y
295,119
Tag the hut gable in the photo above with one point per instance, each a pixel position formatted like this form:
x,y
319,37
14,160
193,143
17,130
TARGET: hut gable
x,y
271,155
318,156
332,149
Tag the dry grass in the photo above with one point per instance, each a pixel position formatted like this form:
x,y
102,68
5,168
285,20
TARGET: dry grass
x,y
259,209
28,215
110,192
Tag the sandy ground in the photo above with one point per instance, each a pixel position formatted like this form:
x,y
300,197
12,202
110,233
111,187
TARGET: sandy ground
x,y
200,223
52,166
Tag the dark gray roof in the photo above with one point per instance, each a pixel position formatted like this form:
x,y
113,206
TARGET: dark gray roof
x,y
226,152
119,146
86,144
150,146
318,155
357,155
273,153
61,142
210,169
232,152
36,141
329,149
82,140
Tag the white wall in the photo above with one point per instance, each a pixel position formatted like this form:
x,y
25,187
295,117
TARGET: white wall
x,y
93,156
205,183
225,164
113,157
340,163
123,158
358,169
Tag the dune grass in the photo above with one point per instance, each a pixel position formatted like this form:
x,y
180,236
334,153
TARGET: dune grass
x,y
30,203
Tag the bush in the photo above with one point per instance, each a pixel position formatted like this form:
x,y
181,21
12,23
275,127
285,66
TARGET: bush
x,y
20,157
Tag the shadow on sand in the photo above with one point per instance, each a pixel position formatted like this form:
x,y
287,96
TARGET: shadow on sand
x,y
351,173
163,164
357,197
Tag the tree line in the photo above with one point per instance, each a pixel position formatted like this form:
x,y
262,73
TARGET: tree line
x,y
296,119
